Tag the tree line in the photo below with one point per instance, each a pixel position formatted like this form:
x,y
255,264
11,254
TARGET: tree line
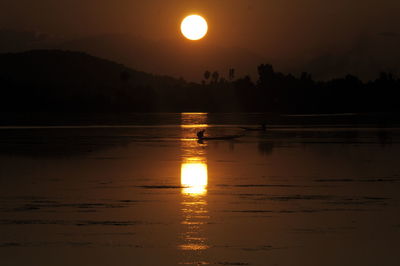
x,y
284,93
51,80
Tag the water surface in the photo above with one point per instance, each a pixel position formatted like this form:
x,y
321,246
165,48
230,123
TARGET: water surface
x,y
151,194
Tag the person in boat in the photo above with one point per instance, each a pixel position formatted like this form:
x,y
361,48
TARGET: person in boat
x,y
200,134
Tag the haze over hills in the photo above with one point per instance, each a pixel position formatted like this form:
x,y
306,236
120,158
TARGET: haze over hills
x,y
366,58
188,60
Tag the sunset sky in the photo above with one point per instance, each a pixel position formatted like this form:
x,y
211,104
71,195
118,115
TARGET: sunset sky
x,y
291,34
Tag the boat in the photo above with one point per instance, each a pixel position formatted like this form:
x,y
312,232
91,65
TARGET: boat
x,y
253,128
221,137
201,137
263,127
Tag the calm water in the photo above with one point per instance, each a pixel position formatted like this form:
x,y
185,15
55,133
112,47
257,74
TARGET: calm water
x,y
150,194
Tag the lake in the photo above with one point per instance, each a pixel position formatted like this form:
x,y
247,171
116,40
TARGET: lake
x,y
145,191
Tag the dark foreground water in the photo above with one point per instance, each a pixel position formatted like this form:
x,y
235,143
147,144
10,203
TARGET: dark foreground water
x,y
151,194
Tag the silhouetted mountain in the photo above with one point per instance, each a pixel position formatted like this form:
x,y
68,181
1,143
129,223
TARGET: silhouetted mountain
x,y
73,81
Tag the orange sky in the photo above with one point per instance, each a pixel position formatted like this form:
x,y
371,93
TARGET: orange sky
x,y
287,32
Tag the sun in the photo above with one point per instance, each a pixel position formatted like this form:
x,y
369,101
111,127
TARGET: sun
x,y
194,27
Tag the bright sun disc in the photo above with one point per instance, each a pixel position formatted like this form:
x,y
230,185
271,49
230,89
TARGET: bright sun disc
x,y
194,27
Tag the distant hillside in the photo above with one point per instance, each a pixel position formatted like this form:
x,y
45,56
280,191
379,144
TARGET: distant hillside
x,y
65,80
190,60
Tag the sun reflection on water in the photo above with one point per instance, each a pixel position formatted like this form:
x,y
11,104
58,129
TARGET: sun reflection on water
x,y
194,181
194,178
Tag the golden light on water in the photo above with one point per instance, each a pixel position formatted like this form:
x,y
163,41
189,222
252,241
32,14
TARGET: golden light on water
x,y
195,126
193,121
194,181
194,178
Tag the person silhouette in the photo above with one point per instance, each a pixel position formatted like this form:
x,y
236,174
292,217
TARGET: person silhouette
x,y
200,134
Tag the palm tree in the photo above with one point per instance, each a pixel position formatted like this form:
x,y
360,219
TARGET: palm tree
x,y
207,75
215,76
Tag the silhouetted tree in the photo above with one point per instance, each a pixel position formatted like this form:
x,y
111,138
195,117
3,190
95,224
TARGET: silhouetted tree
x,y
231,74
265,74
215,76
305,76
207,75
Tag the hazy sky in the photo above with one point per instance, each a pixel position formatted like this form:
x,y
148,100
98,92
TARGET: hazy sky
x,y
286,29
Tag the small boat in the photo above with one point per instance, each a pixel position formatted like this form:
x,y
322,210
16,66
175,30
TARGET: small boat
x,y
252,129
263,127
222,137
200,136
